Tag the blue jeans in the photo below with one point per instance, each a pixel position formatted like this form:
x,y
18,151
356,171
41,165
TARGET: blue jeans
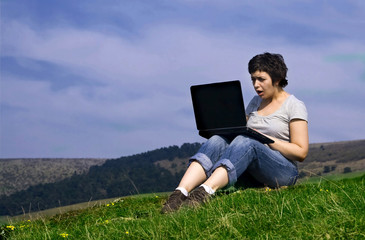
x,y
244,154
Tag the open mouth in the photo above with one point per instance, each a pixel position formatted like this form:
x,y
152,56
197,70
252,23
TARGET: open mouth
x,y
259,92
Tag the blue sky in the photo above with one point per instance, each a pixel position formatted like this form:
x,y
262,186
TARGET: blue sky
x,y
111,78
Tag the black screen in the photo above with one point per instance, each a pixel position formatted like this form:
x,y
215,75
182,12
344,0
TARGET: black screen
x,y
218,105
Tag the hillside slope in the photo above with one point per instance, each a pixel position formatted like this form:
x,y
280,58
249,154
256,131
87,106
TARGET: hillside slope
x,y
322,159
160,170
20,174
117,177
336,157
321,210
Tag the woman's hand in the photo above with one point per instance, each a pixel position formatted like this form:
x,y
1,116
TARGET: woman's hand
x,y
297,148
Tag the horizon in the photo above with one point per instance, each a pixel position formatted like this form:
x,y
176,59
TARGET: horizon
x,y
105,158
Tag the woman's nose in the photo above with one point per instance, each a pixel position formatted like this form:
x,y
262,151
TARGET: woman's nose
x,y
255,83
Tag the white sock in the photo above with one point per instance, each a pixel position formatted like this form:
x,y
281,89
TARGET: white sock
x,y
208,189
183,190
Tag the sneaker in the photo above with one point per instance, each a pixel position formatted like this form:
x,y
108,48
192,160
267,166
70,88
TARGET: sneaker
x,y
174,202
197,197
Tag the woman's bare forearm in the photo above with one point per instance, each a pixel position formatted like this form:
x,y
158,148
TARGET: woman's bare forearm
x,y
297,148
289,150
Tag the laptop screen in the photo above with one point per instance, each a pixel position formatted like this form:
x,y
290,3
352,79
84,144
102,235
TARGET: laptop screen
x,y
218,105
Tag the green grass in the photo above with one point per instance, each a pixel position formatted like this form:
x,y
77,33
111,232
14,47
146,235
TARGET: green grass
x,y
330,177
64,209
323,210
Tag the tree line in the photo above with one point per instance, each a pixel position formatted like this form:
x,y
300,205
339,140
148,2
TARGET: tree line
x,y
116,177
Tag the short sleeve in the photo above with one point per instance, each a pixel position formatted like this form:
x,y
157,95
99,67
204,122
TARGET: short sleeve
x,y
297,110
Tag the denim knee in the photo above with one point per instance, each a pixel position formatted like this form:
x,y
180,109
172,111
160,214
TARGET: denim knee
x,y
239,154
242,141
210,152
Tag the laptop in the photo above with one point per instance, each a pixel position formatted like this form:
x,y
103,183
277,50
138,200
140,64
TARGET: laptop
x,y
219,110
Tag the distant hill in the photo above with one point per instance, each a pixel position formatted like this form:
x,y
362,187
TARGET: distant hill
x,y
140,173
154,171
335,157
21,173
322,159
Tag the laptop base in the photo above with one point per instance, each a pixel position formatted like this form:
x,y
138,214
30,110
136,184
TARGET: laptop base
x,y
231,133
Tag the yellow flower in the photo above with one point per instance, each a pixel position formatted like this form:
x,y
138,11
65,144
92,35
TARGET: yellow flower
x,y
11,227
126,232
64,235
106,221
108,205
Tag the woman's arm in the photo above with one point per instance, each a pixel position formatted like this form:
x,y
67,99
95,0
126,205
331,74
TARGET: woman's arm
x,y
297,148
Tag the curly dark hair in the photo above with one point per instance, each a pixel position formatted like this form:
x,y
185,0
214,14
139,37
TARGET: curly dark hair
x,y
271,63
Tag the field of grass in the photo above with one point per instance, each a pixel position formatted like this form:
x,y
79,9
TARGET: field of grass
x,y
330,177
326,209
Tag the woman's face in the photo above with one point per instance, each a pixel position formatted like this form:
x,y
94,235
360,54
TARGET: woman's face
x,y
263,86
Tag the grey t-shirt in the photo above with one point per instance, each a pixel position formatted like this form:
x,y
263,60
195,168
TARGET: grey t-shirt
x,y
277,123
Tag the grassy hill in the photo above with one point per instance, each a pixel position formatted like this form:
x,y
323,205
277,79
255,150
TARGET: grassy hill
x,y
325,209
139,173
334,158
154,171
21,173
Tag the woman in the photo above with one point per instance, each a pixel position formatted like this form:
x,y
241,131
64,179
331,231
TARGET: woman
x,y
273,112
